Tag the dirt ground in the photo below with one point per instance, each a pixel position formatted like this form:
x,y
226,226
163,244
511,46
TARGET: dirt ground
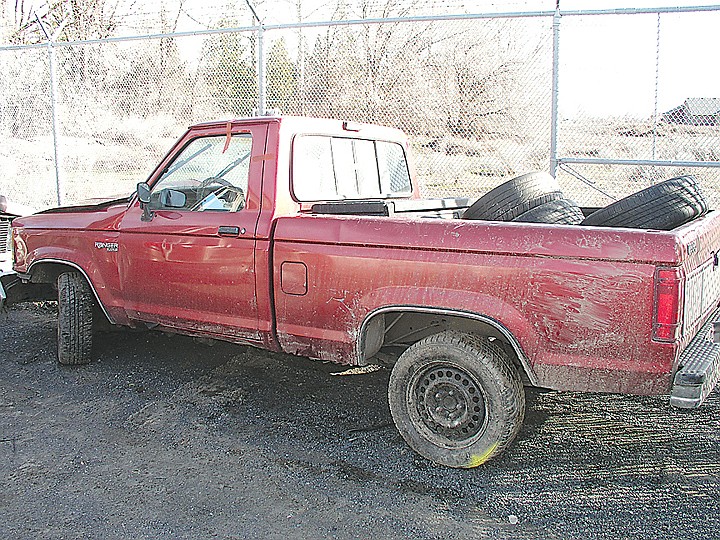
x,y
165,437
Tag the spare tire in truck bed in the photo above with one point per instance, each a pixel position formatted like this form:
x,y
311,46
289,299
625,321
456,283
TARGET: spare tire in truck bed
x,y
515,197
662,206
560,212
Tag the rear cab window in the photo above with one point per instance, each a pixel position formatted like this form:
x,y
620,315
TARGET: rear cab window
x,y
327,168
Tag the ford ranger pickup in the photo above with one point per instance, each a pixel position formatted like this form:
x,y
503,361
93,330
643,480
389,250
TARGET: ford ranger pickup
x,y
308,236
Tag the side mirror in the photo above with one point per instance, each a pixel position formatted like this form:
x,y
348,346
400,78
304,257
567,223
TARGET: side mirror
x,y
143,194
172,198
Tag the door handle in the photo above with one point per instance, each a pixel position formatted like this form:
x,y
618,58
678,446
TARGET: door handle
x,y
229,231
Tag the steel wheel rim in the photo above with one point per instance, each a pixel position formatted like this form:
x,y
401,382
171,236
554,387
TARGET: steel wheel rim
x,y
448,405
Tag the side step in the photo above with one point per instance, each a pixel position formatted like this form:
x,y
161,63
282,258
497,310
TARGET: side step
x,y
699,367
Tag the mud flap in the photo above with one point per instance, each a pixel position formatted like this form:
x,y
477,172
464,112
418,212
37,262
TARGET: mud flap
x,y
14,290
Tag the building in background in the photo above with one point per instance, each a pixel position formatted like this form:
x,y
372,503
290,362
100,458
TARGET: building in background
x,y
695,112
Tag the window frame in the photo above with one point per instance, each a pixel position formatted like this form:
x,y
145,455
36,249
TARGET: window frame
x,y
337,196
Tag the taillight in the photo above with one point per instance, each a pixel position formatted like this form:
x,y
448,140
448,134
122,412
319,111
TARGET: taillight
x,y
668,304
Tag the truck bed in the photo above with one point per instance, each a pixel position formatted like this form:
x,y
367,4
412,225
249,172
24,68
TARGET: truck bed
x,y
578,299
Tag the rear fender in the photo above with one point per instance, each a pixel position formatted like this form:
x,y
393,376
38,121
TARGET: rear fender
x,y
481,310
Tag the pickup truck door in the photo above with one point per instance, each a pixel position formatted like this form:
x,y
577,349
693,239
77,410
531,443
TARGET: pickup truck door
x,y
192,266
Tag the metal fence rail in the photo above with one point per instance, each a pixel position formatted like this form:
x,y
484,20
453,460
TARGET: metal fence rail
x,y
483,97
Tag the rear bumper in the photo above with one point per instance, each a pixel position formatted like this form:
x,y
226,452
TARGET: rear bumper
x,y
699,369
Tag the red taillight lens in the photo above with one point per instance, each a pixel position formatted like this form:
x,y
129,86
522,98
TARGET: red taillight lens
x,y
668,302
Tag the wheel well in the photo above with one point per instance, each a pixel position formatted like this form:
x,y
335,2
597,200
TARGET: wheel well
x,y
48,272
389,332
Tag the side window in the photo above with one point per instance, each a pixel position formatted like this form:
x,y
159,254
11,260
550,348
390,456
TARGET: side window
x,y
210,174
340,168
313,161
394,175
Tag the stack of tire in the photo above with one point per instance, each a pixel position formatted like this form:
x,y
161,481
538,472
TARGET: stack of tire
x,y
537,198
533,197
662,206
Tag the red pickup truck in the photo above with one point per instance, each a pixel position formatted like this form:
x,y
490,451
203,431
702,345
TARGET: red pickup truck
x,y
308,236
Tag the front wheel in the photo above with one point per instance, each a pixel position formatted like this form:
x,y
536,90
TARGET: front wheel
x,y
456,399
75,319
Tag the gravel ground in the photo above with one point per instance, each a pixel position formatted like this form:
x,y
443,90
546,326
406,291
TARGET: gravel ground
x,y
165,437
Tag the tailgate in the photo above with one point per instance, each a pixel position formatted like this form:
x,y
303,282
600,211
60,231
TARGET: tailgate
x,y
700,241
698,368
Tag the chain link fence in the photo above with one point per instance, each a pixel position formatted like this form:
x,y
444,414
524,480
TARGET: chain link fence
x,y
475,94
640,104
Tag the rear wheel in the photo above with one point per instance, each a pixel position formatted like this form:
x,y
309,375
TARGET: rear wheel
x,y
75,319
456,399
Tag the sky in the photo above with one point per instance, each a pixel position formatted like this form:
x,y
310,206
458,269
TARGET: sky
x,y
609,64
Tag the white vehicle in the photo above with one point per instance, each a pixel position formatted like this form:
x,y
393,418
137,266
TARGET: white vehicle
x,y
8,212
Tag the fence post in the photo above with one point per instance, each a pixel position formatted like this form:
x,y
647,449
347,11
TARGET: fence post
x,y
55,123
657,86
554,113
261,71
260,60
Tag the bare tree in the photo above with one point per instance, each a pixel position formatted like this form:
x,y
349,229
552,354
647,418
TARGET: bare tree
x,y
374,72
490,80
65,20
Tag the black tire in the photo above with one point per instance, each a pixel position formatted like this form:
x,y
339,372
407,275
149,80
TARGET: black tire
x,y
456,399
515,197
560,211
662,206
75,319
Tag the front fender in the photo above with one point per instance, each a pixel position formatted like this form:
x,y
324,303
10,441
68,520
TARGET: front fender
x,y
90,257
